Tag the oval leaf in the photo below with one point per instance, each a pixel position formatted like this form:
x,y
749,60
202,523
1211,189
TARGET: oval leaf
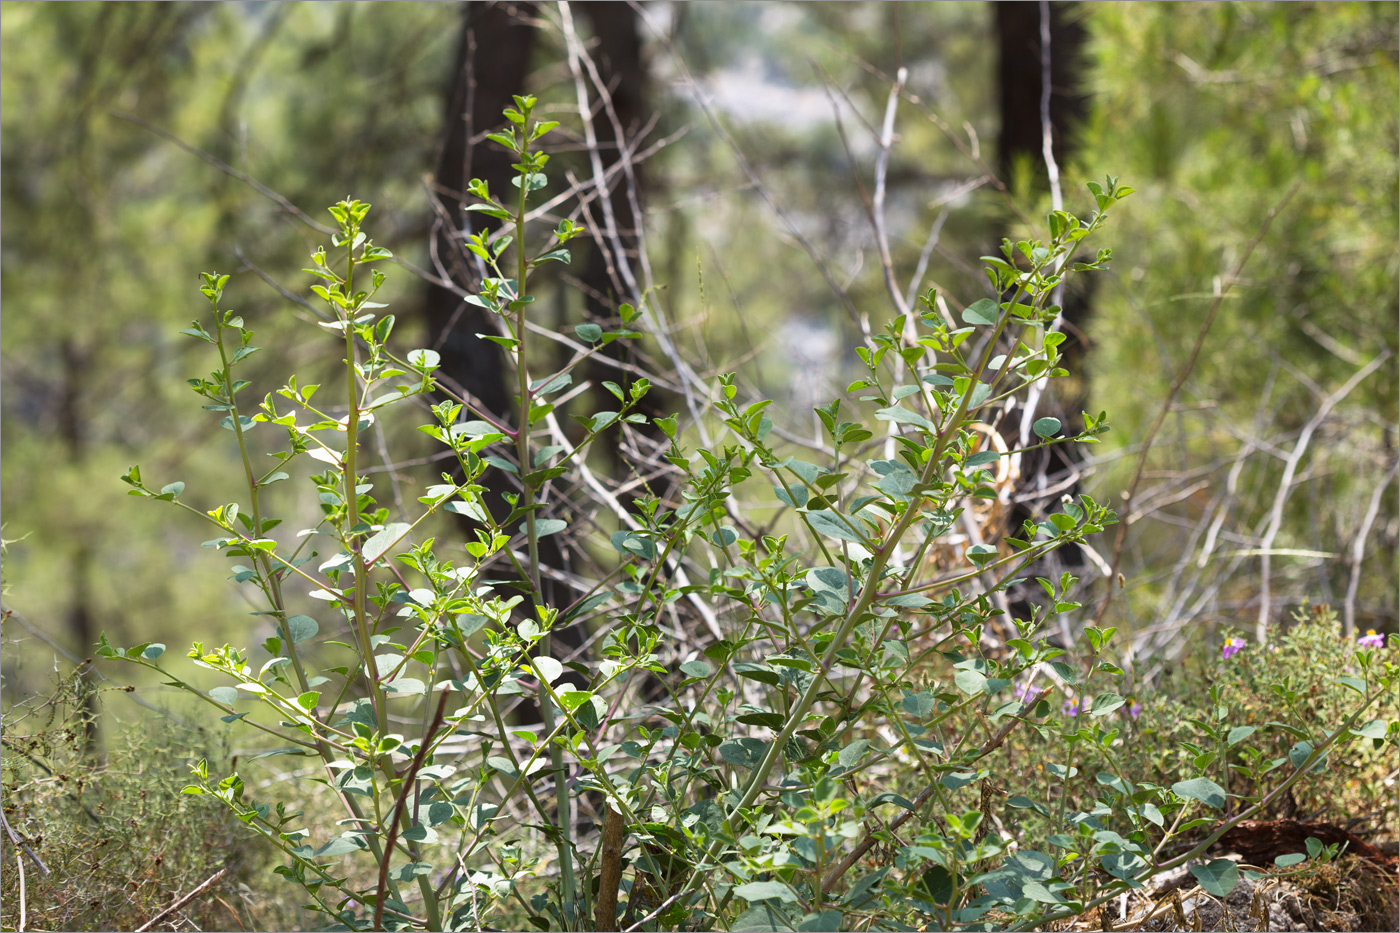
x,y
549,669
766,890
1203,789
1217,878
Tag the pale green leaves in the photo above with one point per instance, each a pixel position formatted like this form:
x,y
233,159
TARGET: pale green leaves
x,y
1203,789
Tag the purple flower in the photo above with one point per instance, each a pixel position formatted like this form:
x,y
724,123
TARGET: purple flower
x,y
1371,640
1071,707
1233,646
1135,709
1025,693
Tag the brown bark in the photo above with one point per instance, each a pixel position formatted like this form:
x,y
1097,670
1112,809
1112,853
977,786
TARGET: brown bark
x,y
1262,841
609,869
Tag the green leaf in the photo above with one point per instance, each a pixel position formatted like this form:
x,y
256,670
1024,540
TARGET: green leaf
x,y
225,695
501,764
1039,892
894,799
1046,427
424,359
1219,877
1355,683
1203,789
381,541
302,627
1106,703
440,812
1299,753
545,526
766,890
905,416
919,705
1374,729
826,920
590,333
940,884
153,651
172,490
410,870
958,779
696,668
983,311
970,682
981,554
1239,734
549,669
1289,860
851,755
743,752
341,845
554,255
761,918
825,523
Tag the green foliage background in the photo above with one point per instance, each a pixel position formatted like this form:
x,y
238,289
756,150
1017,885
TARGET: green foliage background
x,y
1212,111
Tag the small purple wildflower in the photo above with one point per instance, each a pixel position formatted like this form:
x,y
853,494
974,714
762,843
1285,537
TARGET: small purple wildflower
x,y
1135,709
1071,707
1371,640
1025,693
1233,646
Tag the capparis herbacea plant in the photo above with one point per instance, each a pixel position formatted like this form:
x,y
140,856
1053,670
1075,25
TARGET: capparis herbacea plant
x,y
826,762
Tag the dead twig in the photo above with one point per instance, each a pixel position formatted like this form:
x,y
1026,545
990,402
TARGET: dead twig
x,y
208,883
1180,380
1285,486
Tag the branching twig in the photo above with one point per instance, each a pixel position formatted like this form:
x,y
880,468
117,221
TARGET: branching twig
x,y
208,883
1285,486
1175,388
1358,549
408,779
868,843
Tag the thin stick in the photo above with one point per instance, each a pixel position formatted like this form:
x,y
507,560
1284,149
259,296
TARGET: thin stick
x,y
1176,385
21,844
1358,550
1285,486
208,883
23,920
408,780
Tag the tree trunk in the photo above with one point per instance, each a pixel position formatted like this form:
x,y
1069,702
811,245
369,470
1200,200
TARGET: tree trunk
x,y
1020,149
491,66
618,55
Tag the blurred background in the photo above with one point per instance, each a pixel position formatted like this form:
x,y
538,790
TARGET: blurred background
x,y
146,142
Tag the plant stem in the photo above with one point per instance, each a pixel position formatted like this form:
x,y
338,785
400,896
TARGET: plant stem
x,y
564,811
352,502
264,562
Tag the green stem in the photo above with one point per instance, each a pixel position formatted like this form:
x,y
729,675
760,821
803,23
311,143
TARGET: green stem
x,y
273,578
564,812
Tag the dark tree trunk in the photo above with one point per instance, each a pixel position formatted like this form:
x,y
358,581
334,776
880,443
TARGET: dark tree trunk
x,y
73,431
1020,146
618,54
1018,75
491,64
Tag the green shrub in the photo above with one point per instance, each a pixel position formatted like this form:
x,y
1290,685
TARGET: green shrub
x,y
117,841
832,759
